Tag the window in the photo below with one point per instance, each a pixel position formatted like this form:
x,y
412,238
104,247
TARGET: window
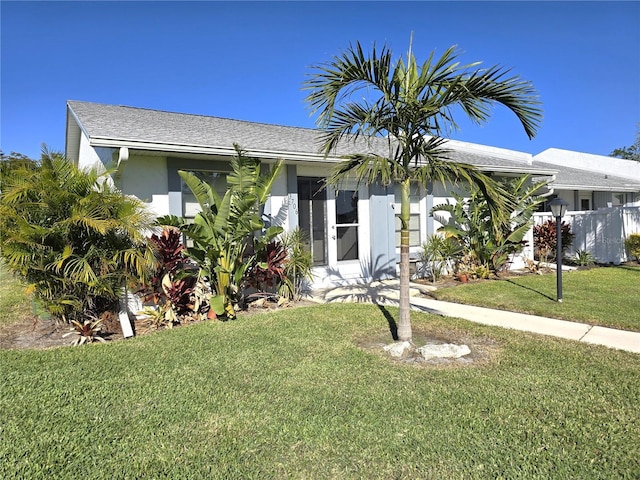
x,y
414,230
618,199
218,180
585,204
347,224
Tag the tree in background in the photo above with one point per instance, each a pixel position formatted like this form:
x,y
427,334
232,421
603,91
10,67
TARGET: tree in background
x,y
12,163
412,106
629,153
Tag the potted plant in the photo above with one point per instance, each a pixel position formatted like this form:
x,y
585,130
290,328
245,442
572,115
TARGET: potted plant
x,y
462,277
463,268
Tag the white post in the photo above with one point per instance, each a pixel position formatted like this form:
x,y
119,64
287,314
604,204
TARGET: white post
x,y
123,315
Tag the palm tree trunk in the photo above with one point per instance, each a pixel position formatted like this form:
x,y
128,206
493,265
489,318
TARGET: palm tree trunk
x,y
404,323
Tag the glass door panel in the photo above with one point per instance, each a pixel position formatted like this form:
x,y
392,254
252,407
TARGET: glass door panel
x,y
347,243
312,199
346,207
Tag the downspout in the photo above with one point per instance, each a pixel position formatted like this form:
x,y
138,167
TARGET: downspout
x,y
123,157
551,189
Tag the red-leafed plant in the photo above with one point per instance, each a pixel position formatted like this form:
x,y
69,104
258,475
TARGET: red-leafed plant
x,y
172,260
170,252
87,331
545,239
268,271
176,288
179,293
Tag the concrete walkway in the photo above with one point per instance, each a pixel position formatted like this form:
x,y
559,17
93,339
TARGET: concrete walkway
x,y
386,293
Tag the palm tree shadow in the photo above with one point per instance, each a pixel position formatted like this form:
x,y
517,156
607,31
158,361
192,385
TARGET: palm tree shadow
x,y
393,326
627,267
531,289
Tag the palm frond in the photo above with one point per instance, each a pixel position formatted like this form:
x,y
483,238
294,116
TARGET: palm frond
x,y
244,171
265,182
366,169
477,92
204,193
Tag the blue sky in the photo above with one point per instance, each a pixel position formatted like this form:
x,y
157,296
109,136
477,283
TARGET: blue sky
x,y
247,60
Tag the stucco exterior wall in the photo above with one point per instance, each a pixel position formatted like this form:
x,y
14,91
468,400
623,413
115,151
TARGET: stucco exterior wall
x,y
568,196
277,206
90,157
146,178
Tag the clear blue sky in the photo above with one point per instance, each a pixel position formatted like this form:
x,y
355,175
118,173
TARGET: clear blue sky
x,y
247,60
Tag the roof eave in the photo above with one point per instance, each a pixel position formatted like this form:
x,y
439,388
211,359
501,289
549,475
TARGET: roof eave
x,y
512,169
208,150
598,188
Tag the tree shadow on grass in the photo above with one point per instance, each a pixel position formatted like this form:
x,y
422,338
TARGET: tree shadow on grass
x,y
393,326
629,268
530,289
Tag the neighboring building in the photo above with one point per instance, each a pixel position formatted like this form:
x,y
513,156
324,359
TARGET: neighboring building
x,y
353,231
590,182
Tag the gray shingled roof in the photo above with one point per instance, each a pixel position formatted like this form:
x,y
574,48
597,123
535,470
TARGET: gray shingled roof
x,y
131,124
577,179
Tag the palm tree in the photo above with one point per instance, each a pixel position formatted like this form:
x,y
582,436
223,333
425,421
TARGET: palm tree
x,y
72,236
359,96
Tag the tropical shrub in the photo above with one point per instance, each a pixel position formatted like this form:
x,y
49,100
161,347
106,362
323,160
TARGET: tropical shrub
x,y
267,271
171,255
438,254
583,258
156,317
12,163
633,245
299,264
86,331
225,226
74,237
545,240
487,241
632,242
176,287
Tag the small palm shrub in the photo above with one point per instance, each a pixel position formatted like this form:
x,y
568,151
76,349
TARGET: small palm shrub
x,y
299,264
545,240
438,254
12,163
72,236
584,259
633,245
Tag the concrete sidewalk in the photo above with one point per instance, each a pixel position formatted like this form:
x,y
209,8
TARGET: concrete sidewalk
x,y
386,293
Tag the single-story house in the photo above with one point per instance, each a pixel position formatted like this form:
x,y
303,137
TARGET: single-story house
x,y
353,232
589,182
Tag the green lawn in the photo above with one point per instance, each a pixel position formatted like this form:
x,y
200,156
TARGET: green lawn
x,y
290,395
601,296
14,304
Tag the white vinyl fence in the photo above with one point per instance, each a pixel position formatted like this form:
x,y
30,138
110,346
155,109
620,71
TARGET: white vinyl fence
x,y
600,232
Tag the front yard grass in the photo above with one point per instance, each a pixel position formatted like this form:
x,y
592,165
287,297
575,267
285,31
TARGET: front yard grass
x,y
15,305
606,296
290,394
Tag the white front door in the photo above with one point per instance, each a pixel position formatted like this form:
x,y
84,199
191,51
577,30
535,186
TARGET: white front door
x,y
343,221
336,224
